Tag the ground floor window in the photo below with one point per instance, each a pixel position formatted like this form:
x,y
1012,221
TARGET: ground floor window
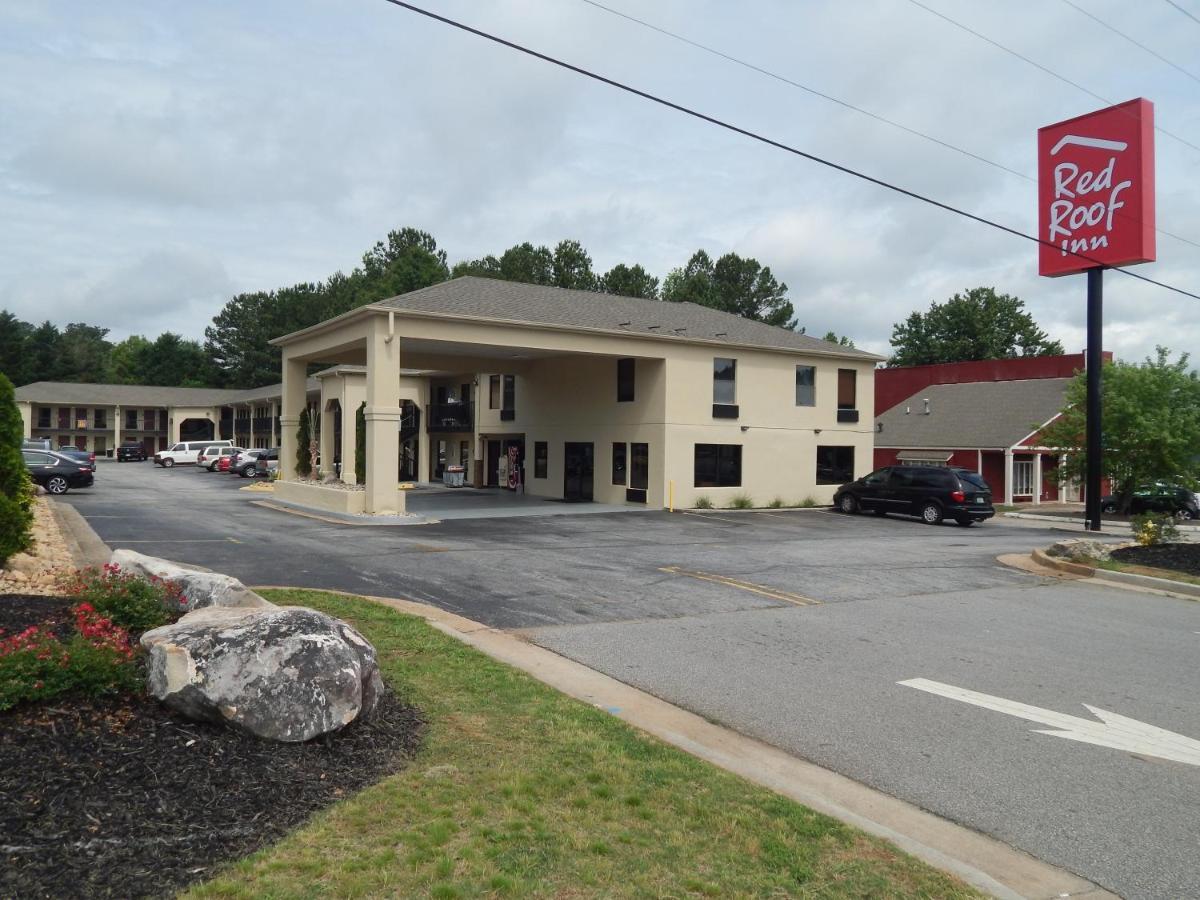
x,y
464,453
835,465
639,468
718,465
541,458
1023,478
618,463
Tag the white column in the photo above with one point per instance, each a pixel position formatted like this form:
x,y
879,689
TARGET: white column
x,y
250,440
116,430
979,461
1008,477
424,446
173,418
1037,478
383,421
294,386
325,438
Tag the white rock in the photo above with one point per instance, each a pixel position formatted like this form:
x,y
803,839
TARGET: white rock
x,y
200,588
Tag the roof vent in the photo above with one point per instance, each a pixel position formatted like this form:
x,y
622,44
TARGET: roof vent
x,y
721,334
624,324
926,402
908,410
653,327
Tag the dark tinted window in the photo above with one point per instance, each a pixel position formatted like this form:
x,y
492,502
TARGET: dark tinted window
x,y
718,465
724,376
618,463
540,458
933,479
806,386
974,480
510,392
625,375
494,392
835,465
639,466
847,389
879,476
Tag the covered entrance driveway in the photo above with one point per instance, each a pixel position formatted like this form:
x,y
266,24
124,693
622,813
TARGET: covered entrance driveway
x,y
446,504
511,404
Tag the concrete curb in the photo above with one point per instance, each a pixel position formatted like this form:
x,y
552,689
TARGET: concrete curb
x,y
1120,579
1124,526
84,544
985,863
339,519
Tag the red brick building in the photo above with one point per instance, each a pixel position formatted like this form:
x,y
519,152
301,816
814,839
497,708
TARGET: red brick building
x,y
985,415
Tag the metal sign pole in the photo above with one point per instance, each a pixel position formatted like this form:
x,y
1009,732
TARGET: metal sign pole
x,y
1095,359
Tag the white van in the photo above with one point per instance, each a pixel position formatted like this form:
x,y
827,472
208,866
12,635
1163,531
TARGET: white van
x,y
185,453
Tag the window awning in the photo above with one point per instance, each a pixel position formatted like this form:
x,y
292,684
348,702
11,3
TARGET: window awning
x,y
942,456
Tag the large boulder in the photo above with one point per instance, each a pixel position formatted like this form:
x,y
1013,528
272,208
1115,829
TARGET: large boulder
x,y
201,588
1082,550
282,673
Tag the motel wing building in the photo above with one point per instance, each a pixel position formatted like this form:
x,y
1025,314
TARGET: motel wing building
x,y
577,396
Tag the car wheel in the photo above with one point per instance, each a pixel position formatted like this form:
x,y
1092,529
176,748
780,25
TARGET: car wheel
x,y
848,504
1187,514
57,485
1108,508
931,514
168,463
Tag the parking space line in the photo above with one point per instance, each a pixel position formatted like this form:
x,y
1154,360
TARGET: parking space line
x,y
761,589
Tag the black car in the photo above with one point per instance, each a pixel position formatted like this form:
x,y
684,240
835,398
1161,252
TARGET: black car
x,y
83,456
131,453
56,472
1158,497
931,492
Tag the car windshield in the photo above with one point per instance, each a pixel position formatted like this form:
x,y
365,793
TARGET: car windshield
x,y
974,479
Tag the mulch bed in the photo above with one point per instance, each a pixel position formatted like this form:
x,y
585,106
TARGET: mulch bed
x,y
1176,557
20,611
117,797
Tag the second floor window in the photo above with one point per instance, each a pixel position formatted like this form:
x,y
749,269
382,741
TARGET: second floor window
x,y
806,386
494,392
510,393
847,389
625,376
131,420
724,381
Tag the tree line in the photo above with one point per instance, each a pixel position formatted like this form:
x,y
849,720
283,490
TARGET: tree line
x,y
235,353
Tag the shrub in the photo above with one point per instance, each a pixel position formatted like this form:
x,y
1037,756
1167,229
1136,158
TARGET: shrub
x,y
741,501
98,659
360,443
1154,528
131,601
703,502
777,503
808,502
303,437
16,495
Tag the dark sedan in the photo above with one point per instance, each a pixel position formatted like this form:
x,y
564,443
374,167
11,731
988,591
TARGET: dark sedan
x,y
83,456
1158,497
56,472
932,492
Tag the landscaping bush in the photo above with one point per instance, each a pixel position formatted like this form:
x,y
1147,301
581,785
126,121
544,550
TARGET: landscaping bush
x,y
303,437
98,659
131,601
16,488
741,501
1150,529
360,443
777,503
808,502
703,502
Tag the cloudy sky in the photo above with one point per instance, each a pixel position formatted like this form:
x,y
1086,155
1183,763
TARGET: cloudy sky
x,y
156,158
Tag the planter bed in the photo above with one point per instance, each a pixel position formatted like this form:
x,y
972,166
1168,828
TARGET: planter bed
x,y
116,797
1183,558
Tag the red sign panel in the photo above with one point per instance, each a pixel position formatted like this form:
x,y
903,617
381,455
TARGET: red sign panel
x,y
1096,190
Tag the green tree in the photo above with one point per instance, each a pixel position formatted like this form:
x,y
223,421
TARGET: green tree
x,y
16,514
83,353
734,284
14,336
44,351
840,340
488,267
978,324
125,360
408,260
527,263
572,267
360,443
629,281
1151,425
303,437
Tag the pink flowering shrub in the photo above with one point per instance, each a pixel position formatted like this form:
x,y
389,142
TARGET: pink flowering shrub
x,y
35,665
131,601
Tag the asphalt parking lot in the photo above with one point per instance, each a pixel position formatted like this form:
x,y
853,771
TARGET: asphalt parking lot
x,y
797,627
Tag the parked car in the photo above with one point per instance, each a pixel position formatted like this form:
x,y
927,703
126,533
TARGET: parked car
x,y
267,462
36,444
1160,496
185,453
57,472
210,458
932,492
131,453
244,463
84,456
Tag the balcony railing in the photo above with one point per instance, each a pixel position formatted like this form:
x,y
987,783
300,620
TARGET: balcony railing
x,y
451,417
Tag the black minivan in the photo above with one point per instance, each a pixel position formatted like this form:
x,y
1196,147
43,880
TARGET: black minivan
x,y
931,492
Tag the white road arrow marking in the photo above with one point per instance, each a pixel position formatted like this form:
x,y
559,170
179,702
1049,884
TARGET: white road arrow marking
x,y
1115,731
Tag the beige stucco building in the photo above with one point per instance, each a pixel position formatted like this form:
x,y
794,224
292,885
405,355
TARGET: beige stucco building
x,y
574,395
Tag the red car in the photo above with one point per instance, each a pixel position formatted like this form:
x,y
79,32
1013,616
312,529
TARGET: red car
x,y
223,462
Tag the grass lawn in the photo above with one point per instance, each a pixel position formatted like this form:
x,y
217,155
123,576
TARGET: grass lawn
x,y
522,791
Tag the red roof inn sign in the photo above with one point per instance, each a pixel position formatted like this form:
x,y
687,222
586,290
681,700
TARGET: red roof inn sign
x,y
1096,189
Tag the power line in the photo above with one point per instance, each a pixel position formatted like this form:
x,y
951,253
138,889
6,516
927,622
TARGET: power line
x,y
762,139
844,103
1184,11
1135,43
1037,65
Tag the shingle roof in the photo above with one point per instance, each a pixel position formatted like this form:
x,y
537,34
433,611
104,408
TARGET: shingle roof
x,y
510,301
68,393
981,414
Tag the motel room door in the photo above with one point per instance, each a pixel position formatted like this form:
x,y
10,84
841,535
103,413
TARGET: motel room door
x,y
578,465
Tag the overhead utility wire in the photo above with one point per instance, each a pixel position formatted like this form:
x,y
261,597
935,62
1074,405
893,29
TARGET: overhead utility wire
x,y
1037,65
1079,9
845,104
1184,11
762,139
